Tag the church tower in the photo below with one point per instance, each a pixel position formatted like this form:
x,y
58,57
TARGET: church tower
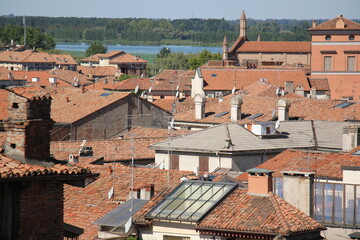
x,y
243,24
225,49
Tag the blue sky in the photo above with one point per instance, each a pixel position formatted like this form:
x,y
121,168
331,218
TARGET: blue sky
x,y
228,9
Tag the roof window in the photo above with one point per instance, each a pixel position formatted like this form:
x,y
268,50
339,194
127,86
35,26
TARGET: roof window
x,y
221,114
255,116
105,94
344,105
214,75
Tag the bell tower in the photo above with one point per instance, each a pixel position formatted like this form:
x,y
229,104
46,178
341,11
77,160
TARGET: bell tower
x,y
225,49
243,24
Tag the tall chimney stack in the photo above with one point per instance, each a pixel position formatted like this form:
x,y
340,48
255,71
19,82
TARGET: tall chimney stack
x,y
199,106
283,106
235,108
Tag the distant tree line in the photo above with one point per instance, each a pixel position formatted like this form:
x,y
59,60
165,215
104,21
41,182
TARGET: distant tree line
x,y
155,31
34,37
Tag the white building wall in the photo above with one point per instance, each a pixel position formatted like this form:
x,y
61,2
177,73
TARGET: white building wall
x,y
188,162
162,159
351,176
161,229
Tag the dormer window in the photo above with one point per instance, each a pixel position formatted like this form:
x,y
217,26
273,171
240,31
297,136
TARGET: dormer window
x,y
328,38
351,37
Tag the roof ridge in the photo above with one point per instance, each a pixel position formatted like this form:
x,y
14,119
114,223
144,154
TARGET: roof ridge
x,y
277,208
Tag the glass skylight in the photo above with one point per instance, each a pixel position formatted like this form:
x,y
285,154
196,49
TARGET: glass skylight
x,y
191,200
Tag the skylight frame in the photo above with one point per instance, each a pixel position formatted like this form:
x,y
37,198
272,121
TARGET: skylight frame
x,y
343,105
196,204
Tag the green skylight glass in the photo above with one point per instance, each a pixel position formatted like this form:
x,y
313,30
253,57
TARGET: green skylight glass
x,y
191,200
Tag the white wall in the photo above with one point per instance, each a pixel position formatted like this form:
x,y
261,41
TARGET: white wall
x,y
171,229
351,176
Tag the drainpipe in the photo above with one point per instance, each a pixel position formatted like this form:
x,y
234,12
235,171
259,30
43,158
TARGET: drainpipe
x,y
219,160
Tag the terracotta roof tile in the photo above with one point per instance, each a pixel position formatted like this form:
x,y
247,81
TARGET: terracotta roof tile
x,y
143,138
70,105
131,83
100,71
82,206
41,75
63,59
10,168
71,76
245,213
324,164
331,24
127,58
227,79
321,84
265,46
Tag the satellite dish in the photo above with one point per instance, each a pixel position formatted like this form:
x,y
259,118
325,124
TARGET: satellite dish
x,y
136,89
277,124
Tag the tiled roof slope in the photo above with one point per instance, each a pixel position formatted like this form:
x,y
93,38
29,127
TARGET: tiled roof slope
x,y
319,84
82,206
10,169
227,79
99,70
273,47
64,59
307,109
324,164
96,57
70,76
245,213
331,24
181,105
127,58
70,105
131,83
43,76
28,91
118,149
213,139
26,56
4,104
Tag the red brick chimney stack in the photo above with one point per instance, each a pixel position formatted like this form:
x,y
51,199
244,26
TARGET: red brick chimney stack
x,y
260,181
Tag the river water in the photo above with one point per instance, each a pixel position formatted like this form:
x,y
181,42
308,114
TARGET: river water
x,y
136,49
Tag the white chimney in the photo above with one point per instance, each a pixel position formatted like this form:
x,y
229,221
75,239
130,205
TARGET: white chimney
x,y
313,23
313,93
298,190
283,109
235,108
199,106
350,138
299,90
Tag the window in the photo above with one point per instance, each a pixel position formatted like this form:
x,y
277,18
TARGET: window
x,y
351,63
15,105
328,38
327,63
13,145
351,37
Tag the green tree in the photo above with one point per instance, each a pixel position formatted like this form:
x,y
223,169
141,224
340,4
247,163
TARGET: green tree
x,y
95,48
164,52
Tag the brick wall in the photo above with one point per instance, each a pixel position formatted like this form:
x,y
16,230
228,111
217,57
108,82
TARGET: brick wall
x,y
41,211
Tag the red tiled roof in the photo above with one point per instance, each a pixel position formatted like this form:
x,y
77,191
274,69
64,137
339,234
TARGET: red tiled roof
x,y
169,80
307,109
143,138
104,84
127,58
70,76
4,104
101,71
26,56
96,57
324,164
331,25
281,47
246,213
321,84
10,168
227,79
63,59
29,91
43,78
82,206
131,83
70,105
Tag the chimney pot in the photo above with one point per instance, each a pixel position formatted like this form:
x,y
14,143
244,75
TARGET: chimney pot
x,y
283,106
199,106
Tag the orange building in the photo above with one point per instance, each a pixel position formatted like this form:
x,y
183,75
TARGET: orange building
x,y
335,50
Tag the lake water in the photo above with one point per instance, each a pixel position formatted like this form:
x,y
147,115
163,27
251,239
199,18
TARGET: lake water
x,y
136,49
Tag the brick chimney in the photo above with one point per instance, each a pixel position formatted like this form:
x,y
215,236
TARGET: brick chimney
x,y
235,108
28,127
259,181
199,106
147,192
283,109
298,190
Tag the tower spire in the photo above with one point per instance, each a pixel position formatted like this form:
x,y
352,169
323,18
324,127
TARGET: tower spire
x,y
243,24
225,49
